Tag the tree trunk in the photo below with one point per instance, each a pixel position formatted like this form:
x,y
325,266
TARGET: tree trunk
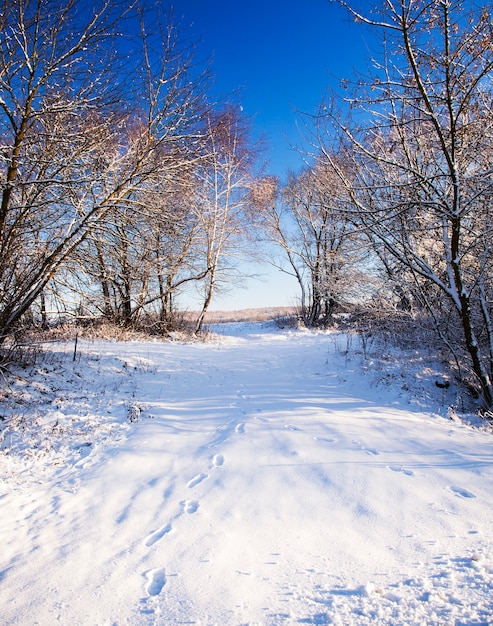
x,y
207,301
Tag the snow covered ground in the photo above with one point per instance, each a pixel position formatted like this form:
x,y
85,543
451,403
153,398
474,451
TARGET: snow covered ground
x,y
266,477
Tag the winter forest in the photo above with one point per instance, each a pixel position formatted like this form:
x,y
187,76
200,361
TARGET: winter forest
x,y
125,182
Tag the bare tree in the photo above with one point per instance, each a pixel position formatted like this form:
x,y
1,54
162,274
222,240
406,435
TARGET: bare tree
x,y
50,85
327,244
75,148
223,182
420,176
326,253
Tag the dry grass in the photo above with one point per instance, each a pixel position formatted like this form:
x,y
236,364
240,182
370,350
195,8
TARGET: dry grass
x,y
183,327
246,315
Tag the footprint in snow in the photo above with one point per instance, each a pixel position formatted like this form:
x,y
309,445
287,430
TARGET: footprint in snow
x,y
218,460
462,493
290,427
158,534
240,428
399,468
196,480
156,579
325,439
190,506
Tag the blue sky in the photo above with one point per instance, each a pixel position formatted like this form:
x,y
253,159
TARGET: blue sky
x,y
278,57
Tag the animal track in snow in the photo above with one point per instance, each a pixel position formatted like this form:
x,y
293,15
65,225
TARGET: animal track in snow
x,y
399,468
240,428
462,493
190,506
291,427
218,460
196,480
156,579
158,534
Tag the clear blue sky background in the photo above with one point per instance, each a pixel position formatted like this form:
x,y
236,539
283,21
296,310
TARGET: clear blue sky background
x,y
279,56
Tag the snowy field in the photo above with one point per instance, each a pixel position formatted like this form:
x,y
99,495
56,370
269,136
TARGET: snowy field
x,y
266,477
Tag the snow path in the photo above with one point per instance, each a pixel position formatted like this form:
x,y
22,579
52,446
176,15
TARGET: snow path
x,y
264,480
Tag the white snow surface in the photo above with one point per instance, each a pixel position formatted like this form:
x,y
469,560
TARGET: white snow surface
x,y
265,477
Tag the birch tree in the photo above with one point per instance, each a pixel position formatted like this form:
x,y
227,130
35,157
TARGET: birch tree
x,y
224,182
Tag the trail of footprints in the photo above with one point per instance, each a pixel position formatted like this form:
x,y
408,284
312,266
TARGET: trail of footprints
x,y
156,577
